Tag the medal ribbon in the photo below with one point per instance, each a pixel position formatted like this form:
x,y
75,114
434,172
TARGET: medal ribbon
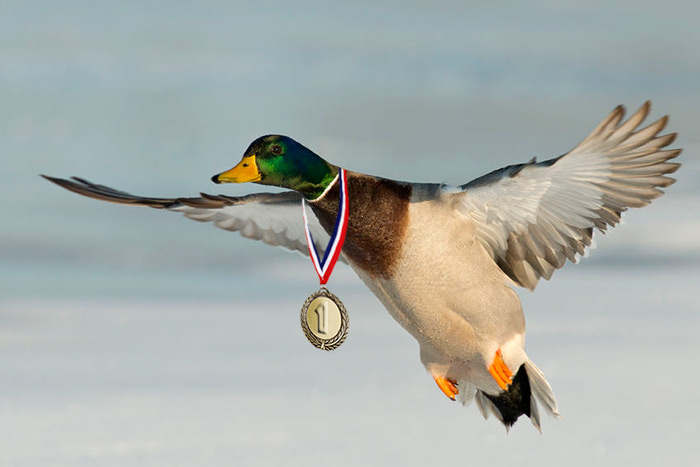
x,y
324,267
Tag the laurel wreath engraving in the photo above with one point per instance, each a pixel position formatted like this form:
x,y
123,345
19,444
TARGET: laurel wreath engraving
x,y
335,341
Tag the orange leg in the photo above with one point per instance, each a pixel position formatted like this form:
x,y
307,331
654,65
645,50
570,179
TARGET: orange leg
x,y
500,371
447,386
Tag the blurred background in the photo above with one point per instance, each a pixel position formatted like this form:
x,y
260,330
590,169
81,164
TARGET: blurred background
x,y
130,336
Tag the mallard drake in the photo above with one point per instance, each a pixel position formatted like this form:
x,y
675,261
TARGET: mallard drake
x,y
444,260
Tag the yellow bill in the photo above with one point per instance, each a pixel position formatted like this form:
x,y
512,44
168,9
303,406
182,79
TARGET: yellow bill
x,y
245,171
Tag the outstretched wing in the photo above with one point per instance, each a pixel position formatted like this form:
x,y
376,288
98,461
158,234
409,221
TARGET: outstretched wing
x,y
532,217
274,218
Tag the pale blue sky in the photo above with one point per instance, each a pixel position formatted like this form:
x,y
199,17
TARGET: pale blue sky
x,y
154,97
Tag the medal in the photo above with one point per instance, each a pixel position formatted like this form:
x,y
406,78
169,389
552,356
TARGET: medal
x,y
324,319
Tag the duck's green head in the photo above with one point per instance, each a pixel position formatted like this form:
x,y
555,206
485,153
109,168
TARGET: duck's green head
x,y
280,161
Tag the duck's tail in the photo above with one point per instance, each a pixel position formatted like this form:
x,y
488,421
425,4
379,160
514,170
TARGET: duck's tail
x,y
528,387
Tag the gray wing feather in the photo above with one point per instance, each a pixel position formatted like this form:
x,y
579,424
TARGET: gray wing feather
x,y
532,217
274,218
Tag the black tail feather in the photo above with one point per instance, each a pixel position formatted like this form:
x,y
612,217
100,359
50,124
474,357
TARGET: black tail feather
x,y
515,401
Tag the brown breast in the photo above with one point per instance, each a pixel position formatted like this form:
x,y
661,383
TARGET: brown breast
x,y
377,222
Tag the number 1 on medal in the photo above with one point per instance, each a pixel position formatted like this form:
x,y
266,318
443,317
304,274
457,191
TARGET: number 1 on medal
x,y
322,318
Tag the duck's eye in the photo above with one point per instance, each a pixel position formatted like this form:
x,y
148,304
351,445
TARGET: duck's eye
x,y
245,164
276,149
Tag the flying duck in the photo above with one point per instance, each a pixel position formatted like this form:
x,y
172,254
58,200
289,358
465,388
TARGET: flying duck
x,y
443,260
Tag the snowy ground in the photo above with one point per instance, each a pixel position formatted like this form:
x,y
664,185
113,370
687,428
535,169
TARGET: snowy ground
x,y
235,383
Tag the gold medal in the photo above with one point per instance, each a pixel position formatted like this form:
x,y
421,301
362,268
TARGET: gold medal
x,y
324,320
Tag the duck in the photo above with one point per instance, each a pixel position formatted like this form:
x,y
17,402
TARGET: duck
x,y
445,261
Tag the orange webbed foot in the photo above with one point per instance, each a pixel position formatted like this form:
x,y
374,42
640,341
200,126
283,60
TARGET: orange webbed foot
x,y
500,371
447,386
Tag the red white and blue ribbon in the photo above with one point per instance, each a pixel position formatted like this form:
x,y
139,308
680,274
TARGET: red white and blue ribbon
x,y
324,267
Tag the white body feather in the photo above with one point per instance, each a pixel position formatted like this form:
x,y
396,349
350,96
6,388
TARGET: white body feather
x,y
450,295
